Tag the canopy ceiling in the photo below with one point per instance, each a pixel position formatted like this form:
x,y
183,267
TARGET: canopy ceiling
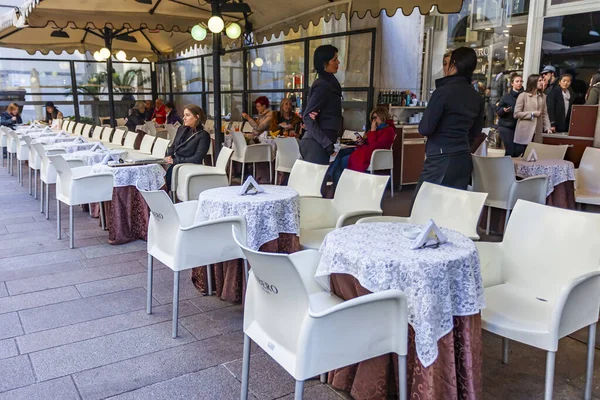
x,y
167,24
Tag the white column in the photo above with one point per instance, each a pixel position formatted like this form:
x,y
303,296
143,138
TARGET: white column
x,y
533,42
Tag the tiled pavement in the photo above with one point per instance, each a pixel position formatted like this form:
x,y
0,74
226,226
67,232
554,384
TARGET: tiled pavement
x,y
73,325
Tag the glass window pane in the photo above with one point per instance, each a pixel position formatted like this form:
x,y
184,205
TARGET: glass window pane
x,y
35,76
33,106
186,75
354,53
208,73
277,67
132,78
182,100
232,73
231,104
162,77
354,109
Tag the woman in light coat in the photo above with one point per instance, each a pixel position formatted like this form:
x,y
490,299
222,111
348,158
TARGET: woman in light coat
x,y
531,114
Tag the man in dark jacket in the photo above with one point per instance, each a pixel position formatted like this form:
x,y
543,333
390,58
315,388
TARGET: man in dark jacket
x,y
549,75
452,120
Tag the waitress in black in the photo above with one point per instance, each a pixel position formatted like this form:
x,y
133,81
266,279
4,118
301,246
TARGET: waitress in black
x,y
452,120
191,141
323,114
506,119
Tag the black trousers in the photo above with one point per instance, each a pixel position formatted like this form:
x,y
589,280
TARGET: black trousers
x,y
313,152
168,177
508,137
450,170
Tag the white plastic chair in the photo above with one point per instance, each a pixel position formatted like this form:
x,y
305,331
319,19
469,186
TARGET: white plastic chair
x,y
587,184
86,131
548,264
358,195
160,147
11,150
106,135
70,126
117,138
189,180
78,130
121,121
34,163
383,159
288,152
547,151
254,153
309,331
64,124
18,148
79,186
97,133
450,208
496,177
3,142
146,146
179,243
130,140
307,178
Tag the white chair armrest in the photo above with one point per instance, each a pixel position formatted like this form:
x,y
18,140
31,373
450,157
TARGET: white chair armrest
x,y
76,163
576,176
359,301
578,304
368,220
490,259
175,173
350,218
530,189
317,213
306,262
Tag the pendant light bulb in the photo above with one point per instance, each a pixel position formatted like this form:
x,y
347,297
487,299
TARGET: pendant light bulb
x,y
105,53
97,56
216,24
121,55
258,62
199,33
233,31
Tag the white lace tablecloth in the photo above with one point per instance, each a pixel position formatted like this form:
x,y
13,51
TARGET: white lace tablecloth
x,y
36,135
70,147
268,214
558,171
147,177
438,283
94,157
51,140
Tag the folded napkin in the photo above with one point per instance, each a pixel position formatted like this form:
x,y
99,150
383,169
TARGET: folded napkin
x,y
106,159
79,139
98,146
532,156
429,236
250,187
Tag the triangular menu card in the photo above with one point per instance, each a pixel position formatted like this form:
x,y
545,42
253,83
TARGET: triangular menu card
x,y
429,236
532,156
98,146
250,187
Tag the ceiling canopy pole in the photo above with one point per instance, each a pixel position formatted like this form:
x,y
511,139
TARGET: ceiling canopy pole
x,y
108,37
216,50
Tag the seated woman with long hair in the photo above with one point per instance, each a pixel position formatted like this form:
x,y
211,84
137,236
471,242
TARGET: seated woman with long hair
x,y
285,120
11,116
191,141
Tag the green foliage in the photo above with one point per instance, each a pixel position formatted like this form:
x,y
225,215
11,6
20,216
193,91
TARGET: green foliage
x,y
97,83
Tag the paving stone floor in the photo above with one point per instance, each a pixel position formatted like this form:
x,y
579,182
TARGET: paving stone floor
x,y
73,325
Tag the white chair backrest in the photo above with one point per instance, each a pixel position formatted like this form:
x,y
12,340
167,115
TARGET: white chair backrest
x,y
223,159
78,129
147,142
121,121
546,247
547,151
164,221
276,291
130,140
150,127
307,178
239,144
288,152
87,128
97,135
65,122
160,147
494,176
106,134
449,208
69,127
63,170
118,136
588,174
357,190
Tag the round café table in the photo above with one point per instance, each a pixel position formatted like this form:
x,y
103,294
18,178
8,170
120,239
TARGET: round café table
x,y
444,292
272,225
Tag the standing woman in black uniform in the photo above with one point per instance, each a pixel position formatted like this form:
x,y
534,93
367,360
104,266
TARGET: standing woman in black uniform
x,y
323,113
506,119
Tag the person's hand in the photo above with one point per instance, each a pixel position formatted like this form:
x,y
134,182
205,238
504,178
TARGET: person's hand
x,y
553,129
14,118
507,109
169,160
245,116
373,125
536,114
313,115
360,141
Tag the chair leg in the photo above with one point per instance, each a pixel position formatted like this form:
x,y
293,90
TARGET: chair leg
x,y
549,386
47,201
35,180
402,377
58,235
242,178
230,171
245,368
506,220
175,302
270,172
209,279
323,378
29,176
392,182
299,390
246,270
21,172
589,370
41,197
102,216
173,197
149,289
504,350
489,219
71,238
